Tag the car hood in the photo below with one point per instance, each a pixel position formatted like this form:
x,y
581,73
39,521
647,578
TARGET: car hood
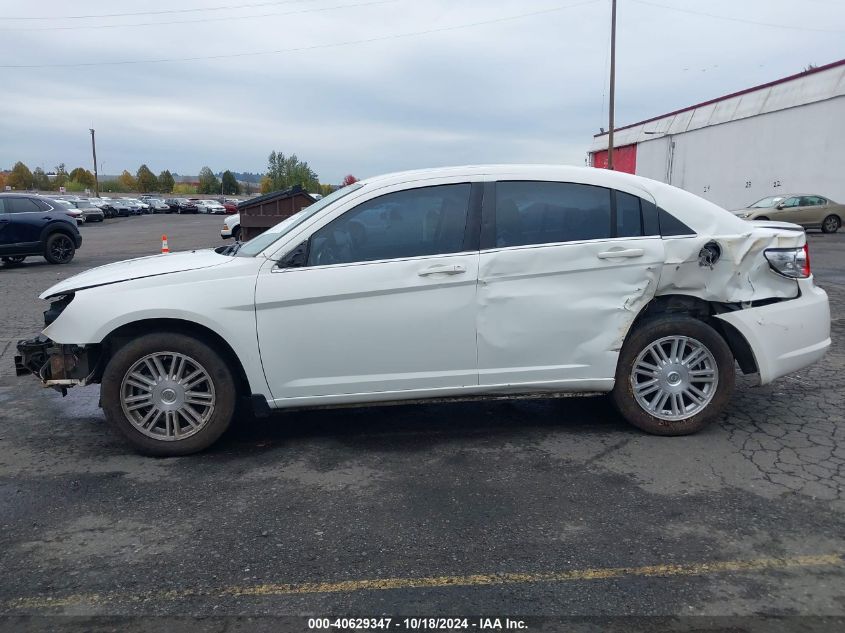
x,y
136,269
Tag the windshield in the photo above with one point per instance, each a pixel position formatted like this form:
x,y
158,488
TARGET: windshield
x,y
766,203
260,242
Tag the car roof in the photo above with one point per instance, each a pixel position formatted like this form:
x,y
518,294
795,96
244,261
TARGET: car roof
x,y
699,214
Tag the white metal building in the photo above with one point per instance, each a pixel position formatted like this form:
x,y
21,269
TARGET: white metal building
x,y
784,136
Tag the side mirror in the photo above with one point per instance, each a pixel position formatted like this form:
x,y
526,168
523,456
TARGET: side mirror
x,y
296,258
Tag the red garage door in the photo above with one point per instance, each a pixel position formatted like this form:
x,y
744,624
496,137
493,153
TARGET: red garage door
x,y
624,159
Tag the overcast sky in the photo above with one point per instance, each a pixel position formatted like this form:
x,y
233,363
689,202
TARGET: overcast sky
x,y
439,82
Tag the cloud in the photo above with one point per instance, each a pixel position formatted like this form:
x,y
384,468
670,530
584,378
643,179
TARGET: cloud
x,y
522,90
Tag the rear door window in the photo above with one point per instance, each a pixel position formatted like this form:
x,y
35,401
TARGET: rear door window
x,y
629,221
532,212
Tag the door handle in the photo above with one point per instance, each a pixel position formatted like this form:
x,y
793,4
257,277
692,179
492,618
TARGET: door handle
x,y
443,269
622,252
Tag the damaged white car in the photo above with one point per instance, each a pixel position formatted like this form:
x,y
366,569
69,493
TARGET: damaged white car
x,y
469,282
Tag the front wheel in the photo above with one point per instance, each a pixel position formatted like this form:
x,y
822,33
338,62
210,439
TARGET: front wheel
x,y
236,233
831,224
675,375
168,394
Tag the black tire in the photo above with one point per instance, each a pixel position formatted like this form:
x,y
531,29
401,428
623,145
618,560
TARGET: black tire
x,y
59,248
647,333
14,260
762,217
236,233
831,224
224,389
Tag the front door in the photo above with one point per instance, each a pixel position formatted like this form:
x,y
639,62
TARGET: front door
x,y
27,219
560,283
385,302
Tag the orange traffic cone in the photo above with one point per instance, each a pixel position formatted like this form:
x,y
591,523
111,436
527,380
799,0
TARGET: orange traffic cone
x,y
164,247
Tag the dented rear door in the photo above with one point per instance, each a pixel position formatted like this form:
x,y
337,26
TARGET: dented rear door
x,y
564,269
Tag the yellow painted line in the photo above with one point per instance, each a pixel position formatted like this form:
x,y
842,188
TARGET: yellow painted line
x,y
473,580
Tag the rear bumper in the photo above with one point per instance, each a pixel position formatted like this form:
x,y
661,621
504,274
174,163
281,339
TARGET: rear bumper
x,y
788,335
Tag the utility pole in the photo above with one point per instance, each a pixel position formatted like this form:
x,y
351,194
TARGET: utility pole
x,y
611,105
96,179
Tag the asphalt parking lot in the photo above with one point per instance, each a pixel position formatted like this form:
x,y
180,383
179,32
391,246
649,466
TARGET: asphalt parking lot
x,y
542,507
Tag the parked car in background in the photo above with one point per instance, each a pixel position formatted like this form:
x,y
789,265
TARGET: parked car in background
x,y
119,208
158,205
808,210
231,206
231,227
32,225
90,212
181,205
466,282
68,208
104,204
210,206
140,208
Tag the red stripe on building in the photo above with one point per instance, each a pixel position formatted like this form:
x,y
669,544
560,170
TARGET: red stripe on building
x,y
624,159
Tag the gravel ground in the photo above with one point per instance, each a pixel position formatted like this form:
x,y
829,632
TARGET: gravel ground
x,y
544,507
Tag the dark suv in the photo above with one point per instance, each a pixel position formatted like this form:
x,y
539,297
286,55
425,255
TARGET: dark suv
x,y
31,225
181,205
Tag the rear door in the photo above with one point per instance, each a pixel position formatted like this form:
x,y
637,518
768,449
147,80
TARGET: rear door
x,y
564,268
815,209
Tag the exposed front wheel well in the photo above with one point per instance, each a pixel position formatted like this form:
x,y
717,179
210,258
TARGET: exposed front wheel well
x,y
125,333
684,305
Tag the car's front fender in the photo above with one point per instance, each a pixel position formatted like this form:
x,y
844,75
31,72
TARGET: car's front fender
x,y
221,299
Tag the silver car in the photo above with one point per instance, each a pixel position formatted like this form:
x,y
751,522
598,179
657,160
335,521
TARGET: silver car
x,y
90,212
811,211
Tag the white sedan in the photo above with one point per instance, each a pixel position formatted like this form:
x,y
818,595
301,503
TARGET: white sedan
x,y
460,282
210,206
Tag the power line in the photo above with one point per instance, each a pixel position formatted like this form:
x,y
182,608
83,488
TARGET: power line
x,y
382,38
162,12
742,20
222,19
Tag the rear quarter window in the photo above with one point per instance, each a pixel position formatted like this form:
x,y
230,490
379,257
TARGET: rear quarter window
x,y
670,226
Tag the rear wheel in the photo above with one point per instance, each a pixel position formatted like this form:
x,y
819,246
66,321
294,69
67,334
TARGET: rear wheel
x,y
675,375
762,217
59,248
14,260
168,394
831,224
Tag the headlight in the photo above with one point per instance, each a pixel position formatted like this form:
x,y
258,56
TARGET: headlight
x,y
56,308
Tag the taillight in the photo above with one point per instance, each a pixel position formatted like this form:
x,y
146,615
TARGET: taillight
x,y
790,262
807,271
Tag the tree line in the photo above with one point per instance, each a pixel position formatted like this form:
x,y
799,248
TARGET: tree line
x,y
283,172
21,178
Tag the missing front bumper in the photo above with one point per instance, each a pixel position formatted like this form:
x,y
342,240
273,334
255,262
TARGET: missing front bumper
x,y
56,365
